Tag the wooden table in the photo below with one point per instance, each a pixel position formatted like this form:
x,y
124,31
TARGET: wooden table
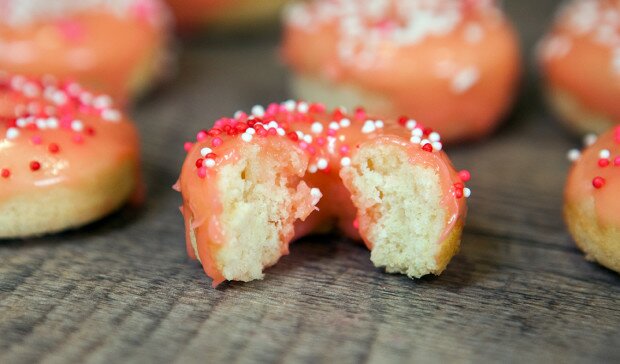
x,y
123,290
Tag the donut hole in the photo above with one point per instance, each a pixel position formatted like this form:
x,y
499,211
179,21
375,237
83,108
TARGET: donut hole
x,y
260,207
397,202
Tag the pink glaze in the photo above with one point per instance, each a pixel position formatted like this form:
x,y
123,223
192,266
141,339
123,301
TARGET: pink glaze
x,y
459,77
581,55
104,47
57,134
596,176
328,140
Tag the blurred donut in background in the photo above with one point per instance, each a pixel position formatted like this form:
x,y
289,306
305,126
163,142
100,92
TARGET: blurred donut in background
x,y
116,47
228,15
580,60
453,63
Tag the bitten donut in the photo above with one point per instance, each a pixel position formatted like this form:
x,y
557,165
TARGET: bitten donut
x,y
453,63
580,60
254,182
592,200
225,14
116,47
67,156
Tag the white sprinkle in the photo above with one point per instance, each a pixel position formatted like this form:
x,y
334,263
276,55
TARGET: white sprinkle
x,y
334,125
111,115
410,124
41,123
246,137
102,102
437,146
303,107
604,154
434,137
321,163
289,105
258,111
281,131
209,163
466,192
250,131
300,135
573,155
21,123
312,168
272,124
379,124
424,142
415,139
77,125
30,90
369,127
238,114
316,195
307,138
59,98
316,127
417,132
12,133
345,123
52,123
473,33
205,151
589,139
465,79
345,161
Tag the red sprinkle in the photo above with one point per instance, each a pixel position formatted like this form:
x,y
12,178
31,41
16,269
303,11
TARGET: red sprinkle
x,y
598,182
427,147
293,136
199,162
603,162
403,120
5,173
187,146
35,166
458,192
53,148
464,175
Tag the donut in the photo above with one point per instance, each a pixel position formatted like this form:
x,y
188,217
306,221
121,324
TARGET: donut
x,y
580,62
67,156
255,182
591,200
453,63
224,14
115,47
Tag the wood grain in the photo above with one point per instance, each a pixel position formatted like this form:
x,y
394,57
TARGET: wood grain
x,y
122,290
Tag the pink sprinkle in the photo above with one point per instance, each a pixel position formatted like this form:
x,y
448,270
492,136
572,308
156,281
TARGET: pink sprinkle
x,y
311,150
201,136
273,109
143,10
320,141
331,132
356,224
360,114
344,149
202,172
36,139
71,30
78,138
303,145
187,146
617,161
216,142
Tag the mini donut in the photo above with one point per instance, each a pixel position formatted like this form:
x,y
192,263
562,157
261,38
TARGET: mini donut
x,y
67,156
225,14
453,63
115,47
253,183
580,61
592,200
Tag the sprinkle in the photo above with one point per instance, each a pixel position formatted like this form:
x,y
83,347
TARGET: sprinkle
x,y
246,137
415,140
427,147
202,172
321,163
598,182
216,142
77,125
111,115
437,146
466,192
369,127
589,139
209,163
604,154
12,133
36,139
187,146
102,102
307,138
35,166
258,110
573,155
434,137
410,124
290,105
379,124
303,107
345,161
334,126
617,161
465,80
5,173
345,123
417,132
205,151
464,175
316,127
312,168
603,162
